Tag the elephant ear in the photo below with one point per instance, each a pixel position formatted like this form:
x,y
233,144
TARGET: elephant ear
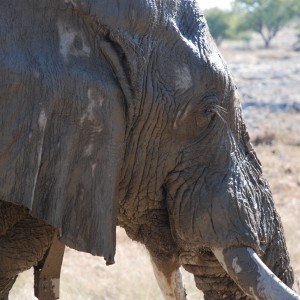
x,y
62,127
78,175
63,161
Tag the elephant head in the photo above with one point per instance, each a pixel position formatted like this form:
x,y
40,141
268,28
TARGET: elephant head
x,y
133,107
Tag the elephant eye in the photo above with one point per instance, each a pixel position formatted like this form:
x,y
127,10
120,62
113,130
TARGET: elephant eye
x,y
205,116
215,110
209,111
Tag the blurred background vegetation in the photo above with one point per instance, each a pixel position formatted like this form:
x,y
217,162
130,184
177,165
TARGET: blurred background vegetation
x,y
263,17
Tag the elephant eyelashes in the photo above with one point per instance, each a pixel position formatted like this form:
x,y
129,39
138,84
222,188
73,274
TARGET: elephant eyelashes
x,y
216,110
205,117
208,114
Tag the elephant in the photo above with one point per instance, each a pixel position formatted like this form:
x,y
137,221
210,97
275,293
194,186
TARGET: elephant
x,y
124,113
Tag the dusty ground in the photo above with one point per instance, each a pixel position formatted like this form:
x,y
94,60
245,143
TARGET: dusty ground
x,y
269,83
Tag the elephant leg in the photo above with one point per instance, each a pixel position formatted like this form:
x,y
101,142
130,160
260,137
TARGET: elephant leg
x,y
6,285
168,277
23,242
210,276
157,238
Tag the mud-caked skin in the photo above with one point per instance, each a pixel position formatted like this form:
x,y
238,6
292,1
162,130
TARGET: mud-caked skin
x,y
124,113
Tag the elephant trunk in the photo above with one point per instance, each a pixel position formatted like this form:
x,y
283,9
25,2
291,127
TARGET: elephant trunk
x,y
255,279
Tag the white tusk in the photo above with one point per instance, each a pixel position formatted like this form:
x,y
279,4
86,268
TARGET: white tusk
x,y
249,272
169,278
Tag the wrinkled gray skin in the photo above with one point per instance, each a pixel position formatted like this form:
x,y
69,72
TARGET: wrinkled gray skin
x,y
129,116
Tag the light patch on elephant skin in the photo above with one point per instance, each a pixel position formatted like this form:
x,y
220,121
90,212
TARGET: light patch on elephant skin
x,y
89,114
92,119
95,100
36,74
73,2
42,120
55,287
175,125
183,78
237,269
93,166
216,61
95,95
181,116
88,150
218,252
71,42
